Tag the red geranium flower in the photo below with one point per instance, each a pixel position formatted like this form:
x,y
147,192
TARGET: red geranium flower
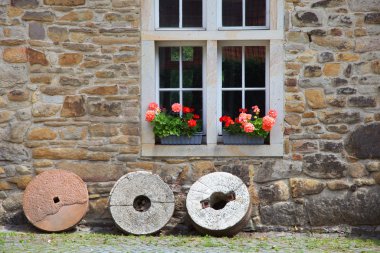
x,y
186,109
196,116
191,123
244,110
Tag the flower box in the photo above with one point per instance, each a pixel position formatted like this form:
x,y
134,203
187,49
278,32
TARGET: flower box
x,y
241,139
181,140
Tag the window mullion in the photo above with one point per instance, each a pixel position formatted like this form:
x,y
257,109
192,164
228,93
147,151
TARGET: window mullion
x,y
243,23
243,76
180,77
180,13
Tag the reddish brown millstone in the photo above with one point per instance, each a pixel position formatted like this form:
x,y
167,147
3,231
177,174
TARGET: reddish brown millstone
x,y
55,200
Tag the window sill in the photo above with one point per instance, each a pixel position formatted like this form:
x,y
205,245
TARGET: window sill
x,y
180,29
212,150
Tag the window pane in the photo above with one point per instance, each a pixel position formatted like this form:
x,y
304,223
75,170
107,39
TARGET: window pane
x,y
169,13
194,99
231,103
255,67
231,67
255,98
167,98
192,13
255,12
192,67
232,13
169,67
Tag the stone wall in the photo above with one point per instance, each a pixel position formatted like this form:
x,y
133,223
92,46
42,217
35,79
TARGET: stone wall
x,y
69,99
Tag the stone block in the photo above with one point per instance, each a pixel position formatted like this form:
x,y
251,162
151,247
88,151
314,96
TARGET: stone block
x,y
364,142
36,57
59,153
307,19
45,110
15,55
331,69
372,18
303,186
278,191
106,109
325,57
65,2
336,185
315,98
364,5
323,166
328,3
357,170
78,16
100,90
304,146
14,153
42,133
329,146
25,4
102,130
352,208
41,16
333,42
70,59
362,101
73,106
337,116
58,34
312,71
367,44
275,170
36,31
18,95
283,214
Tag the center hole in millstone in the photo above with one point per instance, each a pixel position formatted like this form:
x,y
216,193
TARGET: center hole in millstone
x,y
218,200
141,203
56,200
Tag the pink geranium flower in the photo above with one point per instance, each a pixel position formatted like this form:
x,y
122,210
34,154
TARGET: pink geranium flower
x,y
256,109
153,106
272,113
268,123
244,117
176,107
150,115
249,128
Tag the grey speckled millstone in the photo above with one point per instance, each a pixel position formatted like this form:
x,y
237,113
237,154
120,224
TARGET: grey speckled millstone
x,y
136,219
226,221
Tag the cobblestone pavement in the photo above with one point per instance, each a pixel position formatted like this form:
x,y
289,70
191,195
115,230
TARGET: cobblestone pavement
x,y
11,241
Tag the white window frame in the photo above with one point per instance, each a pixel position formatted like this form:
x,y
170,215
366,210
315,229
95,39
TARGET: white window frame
x,y
242,44
181,89
243,27
212,37
180,27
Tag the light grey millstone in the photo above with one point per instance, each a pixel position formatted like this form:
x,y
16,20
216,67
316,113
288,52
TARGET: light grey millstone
x,y
223,222
135,184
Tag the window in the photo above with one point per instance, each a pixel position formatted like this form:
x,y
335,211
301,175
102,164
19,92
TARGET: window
x,y
217,56
180,80
243,78
180,13
244,13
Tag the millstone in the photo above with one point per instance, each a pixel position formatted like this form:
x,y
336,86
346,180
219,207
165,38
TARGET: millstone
x,y
55,200
219,204
141,203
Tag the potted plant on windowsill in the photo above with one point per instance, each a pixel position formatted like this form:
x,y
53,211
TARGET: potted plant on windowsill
x,y
180,126
247,129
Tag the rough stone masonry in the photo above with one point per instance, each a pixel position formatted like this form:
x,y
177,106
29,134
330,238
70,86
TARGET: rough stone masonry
x,y
70,99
